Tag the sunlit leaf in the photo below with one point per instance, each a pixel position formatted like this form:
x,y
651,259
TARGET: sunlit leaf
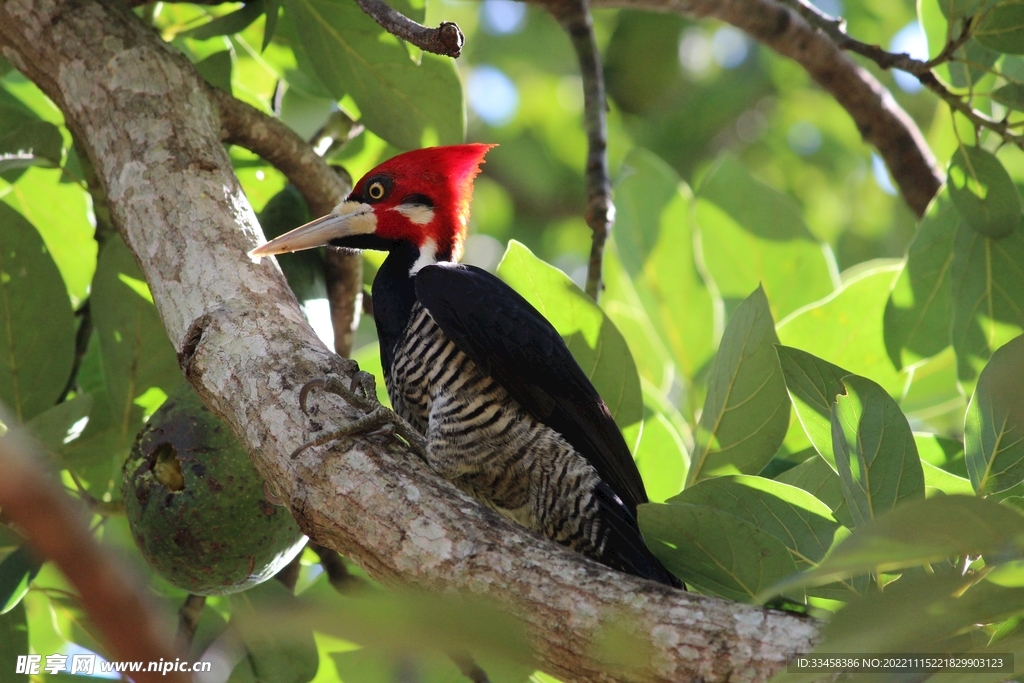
x,y
922,531
815,476
938,480
36,321
994,429
596,345
661,458
654,221
399,100
715,551
796,518
846,328
60,212
988,298
983,192
942,452
750,234
876,456
746,414
813,385
920,308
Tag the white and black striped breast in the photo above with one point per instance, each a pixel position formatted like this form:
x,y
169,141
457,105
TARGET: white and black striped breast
x,y
483,441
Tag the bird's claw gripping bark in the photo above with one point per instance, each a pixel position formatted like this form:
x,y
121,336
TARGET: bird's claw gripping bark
x,y
361,392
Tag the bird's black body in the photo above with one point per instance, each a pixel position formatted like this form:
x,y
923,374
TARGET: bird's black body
x,y
508,414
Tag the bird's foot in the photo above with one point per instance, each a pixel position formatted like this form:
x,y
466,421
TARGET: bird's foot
x,y
361,392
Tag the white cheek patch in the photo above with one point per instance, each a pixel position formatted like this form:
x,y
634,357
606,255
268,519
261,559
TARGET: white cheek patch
x,y
428,257
417,214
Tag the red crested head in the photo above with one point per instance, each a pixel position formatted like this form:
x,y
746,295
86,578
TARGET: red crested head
x,y
424,195
420,197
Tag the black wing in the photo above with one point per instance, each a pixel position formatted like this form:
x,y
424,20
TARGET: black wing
x,y
512,342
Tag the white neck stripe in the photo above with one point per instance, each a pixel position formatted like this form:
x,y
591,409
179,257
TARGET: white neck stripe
x,y
428,256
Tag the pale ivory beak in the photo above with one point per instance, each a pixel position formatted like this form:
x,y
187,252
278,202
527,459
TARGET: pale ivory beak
x,y
347,219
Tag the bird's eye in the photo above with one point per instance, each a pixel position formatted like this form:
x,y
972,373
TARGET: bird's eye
x,y
378,188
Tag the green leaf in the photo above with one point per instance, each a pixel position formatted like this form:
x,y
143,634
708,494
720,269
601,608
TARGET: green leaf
x,y
815,476
596,345
273,12
16,572
746,414
60,212
1010,95
937,480
304,270
983,192
654,221
275,654
923,531
404,103
957,9
136,357
876,456
796,518
813,385
36,321
1002,27
13,643
661,458
13,112
970,63
942,452
234,22
37,143
846,328
920,309
216,70
988,298
714,551
55,426
751,234
994,429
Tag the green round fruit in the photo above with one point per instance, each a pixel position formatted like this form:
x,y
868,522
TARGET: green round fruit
x,y
196,506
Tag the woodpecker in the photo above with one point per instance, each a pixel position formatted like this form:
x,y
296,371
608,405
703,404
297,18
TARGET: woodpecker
x,y
500,407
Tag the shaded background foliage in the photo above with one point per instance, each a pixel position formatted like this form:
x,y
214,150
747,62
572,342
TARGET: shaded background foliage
x,y
761,261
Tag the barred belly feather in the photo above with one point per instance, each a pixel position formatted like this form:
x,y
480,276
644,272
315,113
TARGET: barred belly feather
x,y
484,442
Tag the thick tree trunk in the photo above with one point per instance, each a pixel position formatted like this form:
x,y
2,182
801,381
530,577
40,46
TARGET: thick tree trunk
x,y
152,130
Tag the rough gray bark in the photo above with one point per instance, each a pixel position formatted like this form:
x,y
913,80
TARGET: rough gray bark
x,y
153,135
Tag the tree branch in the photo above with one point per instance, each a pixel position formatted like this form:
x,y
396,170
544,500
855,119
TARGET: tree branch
x,y
56,530
446,39
878,117
153,134
322,189
574,16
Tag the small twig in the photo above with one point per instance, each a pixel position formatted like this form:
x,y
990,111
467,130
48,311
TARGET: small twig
x,y
188,621
446,39
56,530
82,336
836,30
574,16
337,573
